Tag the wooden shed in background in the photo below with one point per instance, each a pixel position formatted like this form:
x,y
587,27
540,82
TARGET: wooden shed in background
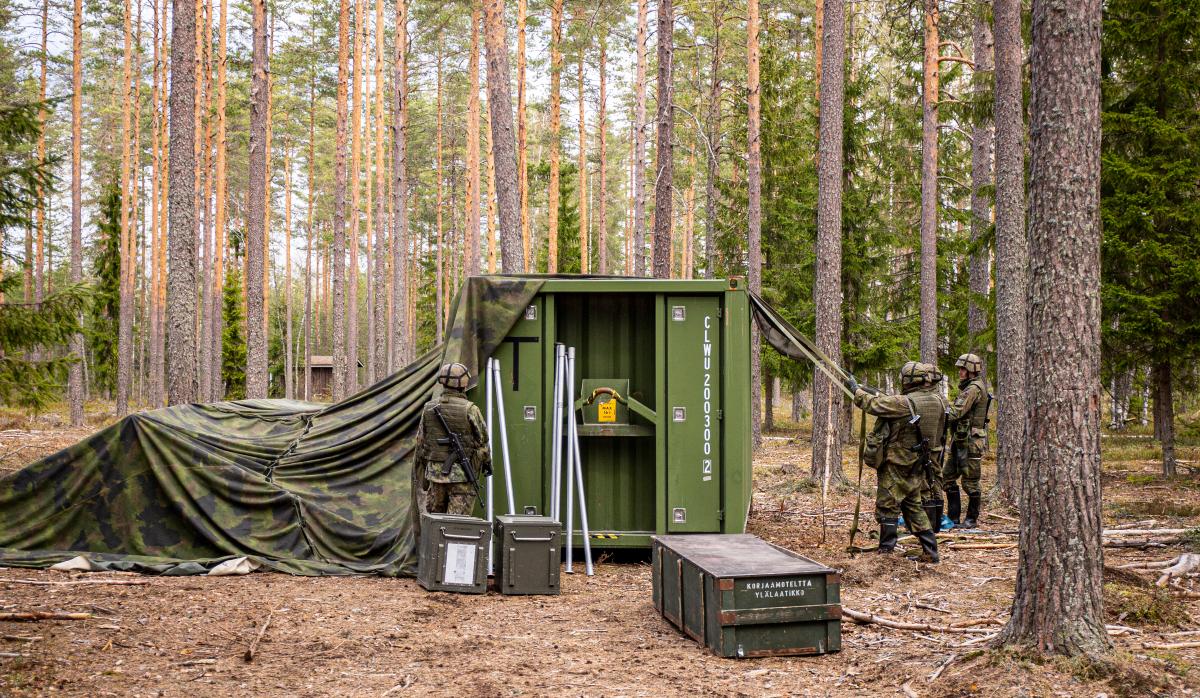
x,y
322,377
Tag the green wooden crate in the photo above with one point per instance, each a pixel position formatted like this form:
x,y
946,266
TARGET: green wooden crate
x,y
744,597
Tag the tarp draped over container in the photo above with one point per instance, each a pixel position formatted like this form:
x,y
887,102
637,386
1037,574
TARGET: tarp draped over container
x,y
293,486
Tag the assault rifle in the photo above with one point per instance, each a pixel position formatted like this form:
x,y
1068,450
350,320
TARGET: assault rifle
x,y
458,453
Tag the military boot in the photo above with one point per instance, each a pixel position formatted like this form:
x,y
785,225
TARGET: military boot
x,y
929,548
933,511
953,504
887,536
972,520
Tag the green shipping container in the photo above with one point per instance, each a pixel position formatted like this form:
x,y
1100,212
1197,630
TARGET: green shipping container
x,y
679,462
744,597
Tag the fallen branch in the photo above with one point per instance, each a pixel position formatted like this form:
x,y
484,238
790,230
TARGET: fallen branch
x,y
952,545
21,638
1002,517
35,582
42,615
872,619
1182,565
1169,645
1133,524
941,667
198,662
1145,531
976,621
249,657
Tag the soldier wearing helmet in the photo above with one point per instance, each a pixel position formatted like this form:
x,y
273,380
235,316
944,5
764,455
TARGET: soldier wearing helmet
x,y
442,485
907,437
968,417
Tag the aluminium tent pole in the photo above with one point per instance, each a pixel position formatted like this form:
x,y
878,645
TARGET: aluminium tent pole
x,y
499,392
489,506
556,439
577,462
570,404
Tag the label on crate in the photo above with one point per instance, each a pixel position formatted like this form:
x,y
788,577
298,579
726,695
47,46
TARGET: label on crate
x,y
777,588
607,411
460,564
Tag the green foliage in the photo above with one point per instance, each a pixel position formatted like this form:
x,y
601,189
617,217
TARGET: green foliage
x,y
106,304
1150,182
33,381
233,336
21,177
568,217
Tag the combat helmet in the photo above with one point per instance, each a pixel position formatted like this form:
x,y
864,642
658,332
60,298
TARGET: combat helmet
x,y
913,374
454,376
971,363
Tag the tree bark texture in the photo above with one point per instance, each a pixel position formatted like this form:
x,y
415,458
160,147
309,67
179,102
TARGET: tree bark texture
x,y
128,262
639,141
1058,606
929,187
712,154
1164,414
503,142
401,351
602,138
522,146
827,291
581,177
474,179
379,282
556,64
75,376
338,261
982,139
353,234
181,271
1011,249
754,201
664,149
256,337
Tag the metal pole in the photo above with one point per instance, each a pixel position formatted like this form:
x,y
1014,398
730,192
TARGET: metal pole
x,y
499,392
489,506
570,471
578,468
556,438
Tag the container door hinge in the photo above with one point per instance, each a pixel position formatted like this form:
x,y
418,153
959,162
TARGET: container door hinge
x,y
720,312
720,514
720,414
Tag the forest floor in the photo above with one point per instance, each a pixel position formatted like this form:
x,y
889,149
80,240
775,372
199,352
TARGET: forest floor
x,y
602,636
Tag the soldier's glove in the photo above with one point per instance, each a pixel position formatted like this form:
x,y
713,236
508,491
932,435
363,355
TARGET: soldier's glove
x,y
486,470
852,384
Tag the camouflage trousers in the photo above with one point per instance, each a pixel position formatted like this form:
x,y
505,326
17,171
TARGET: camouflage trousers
x,y
443,497
901,492
964,463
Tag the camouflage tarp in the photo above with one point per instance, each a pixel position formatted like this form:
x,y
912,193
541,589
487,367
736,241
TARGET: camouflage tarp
x,y
297,487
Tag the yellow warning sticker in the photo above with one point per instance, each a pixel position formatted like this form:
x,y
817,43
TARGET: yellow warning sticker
x,y
607,411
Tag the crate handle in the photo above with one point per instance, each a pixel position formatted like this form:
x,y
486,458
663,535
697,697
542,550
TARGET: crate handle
x,y
549,537
455,536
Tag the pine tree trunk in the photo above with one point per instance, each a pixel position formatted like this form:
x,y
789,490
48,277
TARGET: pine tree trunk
x,y
639,141
256,340
181,272
522,137
338,262
827,398
474,179
440,241
754,206
553,193
204,347
491,199
160,339
289,362
1058,605
713,128
929,187
40,269
75,387
380,278
125,354
503,145
399,318
1164,414
357,109
310,203
602,130
1011,254
664,150
582,174
982,138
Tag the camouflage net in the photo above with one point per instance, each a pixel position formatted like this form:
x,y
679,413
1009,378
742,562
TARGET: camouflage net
x,y
296,487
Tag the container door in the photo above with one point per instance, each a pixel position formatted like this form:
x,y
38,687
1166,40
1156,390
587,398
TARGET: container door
x,y
692,414
522,366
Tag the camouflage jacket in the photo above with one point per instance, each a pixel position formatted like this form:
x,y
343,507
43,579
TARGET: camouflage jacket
x,y
968,414
464,418
894,439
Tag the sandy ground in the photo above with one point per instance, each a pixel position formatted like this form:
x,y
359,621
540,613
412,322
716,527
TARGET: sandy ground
x,y
602,636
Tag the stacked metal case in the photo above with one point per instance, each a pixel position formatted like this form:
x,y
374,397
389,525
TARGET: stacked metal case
x,y
744,597
454,553
528,552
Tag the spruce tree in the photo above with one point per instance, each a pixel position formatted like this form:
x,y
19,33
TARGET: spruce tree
x,y
233,336
105,308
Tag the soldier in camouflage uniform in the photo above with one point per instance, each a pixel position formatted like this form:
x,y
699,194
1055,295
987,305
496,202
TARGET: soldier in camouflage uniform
x,y
968,417
443,486
902,448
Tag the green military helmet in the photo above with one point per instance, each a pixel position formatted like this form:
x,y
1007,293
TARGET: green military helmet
x,y
932,374
912,374
454,376
970,363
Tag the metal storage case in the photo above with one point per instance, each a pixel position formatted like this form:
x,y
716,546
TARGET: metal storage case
x,y
744,597
454,553
679,348
528,552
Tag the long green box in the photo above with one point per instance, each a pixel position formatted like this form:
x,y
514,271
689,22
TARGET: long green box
x,y
744,597
680,349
